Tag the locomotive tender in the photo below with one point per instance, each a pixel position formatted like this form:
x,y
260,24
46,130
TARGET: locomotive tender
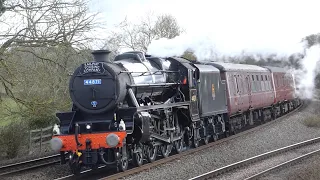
x,y
138,106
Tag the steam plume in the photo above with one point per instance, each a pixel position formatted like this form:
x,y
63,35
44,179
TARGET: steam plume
x,y
213,47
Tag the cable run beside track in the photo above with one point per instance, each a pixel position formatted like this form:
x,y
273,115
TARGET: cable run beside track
x,y
106,174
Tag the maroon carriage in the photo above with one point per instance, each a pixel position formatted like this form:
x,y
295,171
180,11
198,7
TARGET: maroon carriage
x,y
248,86
284,84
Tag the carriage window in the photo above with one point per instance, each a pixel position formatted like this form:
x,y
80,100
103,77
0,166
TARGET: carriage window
x,y
242,89
269,82
258,84
253,88
236,81
232,91
248,84
266,82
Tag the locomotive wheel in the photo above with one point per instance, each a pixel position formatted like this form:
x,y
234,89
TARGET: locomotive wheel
x,y
226,134
214,137
263,118
206,140
178,145
274,115
195,143
166,150
123,164
233,130
137,157
152,153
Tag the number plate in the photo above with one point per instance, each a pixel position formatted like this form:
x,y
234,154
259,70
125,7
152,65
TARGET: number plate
x,y
92,81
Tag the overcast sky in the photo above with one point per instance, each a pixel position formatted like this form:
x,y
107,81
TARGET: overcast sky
x,y
254,24
301,17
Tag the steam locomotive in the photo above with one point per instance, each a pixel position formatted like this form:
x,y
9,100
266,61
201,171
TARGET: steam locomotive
x,y
137,106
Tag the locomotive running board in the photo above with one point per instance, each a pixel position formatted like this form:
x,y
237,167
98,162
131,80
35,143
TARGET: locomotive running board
x,y
162,106
166,139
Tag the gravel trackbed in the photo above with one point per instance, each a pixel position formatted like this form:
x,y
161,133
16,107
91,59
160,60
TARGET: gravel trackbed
x,y
285,132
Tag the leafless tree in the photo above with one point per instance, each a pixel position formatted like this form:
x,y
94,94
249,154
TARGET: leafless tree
x,y
139,36
28,24
166,26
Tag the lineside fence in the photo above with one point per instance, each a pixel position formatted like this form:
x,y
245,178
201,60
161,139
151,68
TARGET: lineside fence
x,y
39,138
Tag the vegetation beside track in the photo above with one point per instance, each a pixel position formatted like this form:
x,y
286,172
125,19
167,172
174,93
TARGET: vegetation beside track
x,y
312,121
7,106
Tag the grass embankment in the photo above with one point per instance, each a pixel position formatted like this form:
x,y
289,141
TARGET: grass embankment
x,y
12,129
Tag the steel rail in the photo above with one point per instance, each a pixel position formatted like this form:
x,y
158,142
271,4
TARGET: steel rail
x,y
28,165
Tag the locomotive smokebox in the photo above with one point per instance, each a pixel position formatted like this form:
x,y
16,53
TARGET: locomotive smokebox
x,y
101,55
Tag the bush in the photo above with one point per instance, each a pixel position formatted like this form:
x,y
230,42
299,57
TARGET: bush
x,y
13,137
312,121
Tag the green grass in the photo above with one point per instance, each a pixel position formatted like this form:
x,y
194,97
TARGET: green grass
x,y
7,106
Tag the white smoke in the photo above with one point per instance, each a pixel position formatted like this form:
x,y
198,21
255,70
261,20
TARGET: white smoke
x,y
307,74
207,46
213,47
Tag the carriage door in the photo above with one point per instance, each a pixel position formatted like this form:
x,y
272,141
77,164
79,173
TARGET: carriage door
x,y
237,97
248,84
192,76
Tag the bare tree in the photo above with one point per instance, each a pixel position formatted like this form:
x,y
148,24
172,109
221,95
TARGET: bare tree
x,y
166,26
139,36
27,24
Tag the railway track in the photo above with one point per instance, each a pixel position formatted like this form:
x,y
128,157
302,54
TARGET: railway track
x,y
257,166
29,165
103,173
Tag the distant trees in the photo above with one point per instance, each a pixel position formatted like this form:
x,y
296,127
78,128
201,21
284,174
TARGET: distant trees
x,y
41,23
139,36
312,39
189,54
41,42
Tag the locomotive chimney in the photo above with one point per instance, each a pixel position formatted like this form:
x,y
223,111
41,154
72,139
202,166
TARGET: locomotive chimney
x,y
101,55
